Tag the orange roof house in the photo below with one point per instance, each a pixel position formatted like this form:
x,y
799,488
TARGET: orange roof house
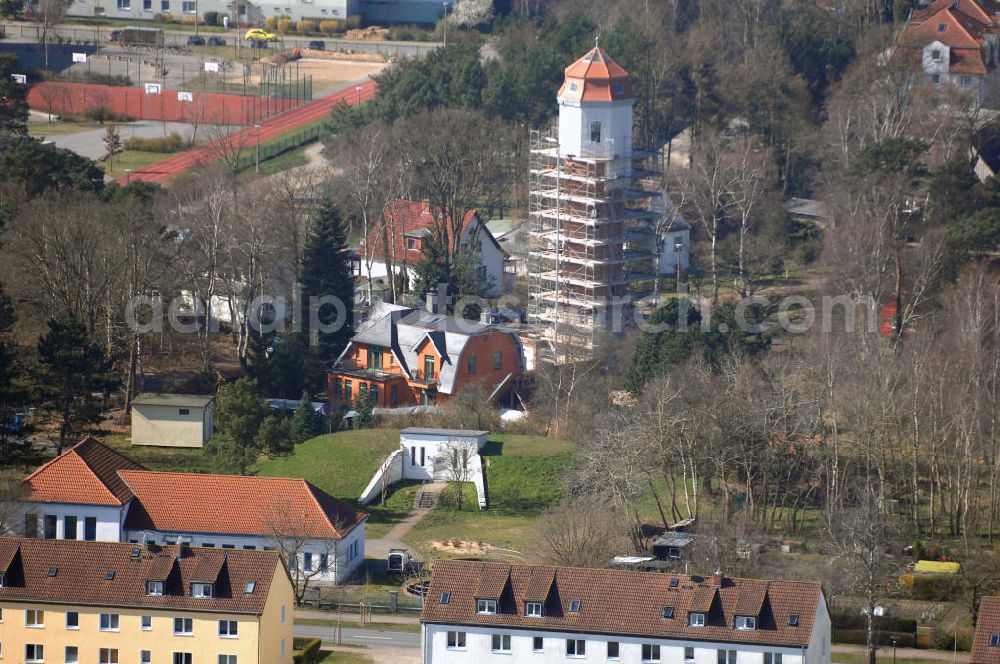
x,y
986,642
91,492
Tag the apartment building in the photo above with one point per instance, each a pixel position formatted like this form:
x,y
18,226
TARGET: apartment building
x,y
489,612
78,602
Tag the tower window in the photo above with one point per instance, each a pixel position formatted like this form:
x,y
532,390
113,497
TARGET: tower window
x,y
595,132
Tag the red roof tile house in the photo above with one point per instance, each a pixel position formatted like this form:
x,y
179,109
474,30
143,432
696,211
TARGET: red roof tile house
x,y
986,642
954,42
410,225
93,493
488,612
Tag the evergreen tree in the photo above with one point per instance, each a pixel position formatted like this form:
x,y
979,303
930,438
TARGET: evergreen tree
x,y
14,109
291,368
71,368
468,281
239,414
306,422
327,286
365,409
8,369
432,268
275,436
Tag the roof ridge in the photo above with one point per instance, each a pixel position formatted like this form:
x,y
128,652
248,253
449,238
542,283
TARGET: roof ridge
x,y
75,451
196,474
952,12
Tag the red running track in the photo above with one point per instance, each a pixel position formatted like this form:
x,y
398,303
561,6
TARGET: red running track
x,y
247,137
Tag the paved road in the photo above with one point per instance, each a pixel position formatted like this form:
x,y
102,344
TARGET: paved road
x,y
361,637
90,143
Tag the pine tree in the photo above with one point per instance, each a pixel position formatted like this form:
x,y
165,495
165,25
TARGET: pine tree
x,y
239,415
327,286
8,370
306,422
432,268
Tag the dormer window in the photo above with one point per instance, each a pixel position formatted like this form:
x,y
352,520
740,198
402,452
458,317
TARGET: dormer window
x,y
533,609
201,590
748,623
486,606
154,588
696,619
2,580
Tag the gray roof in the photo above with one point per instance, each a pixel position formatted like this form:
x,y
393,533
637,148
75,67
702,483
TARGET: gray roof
x,y
174,400
444,432
673,539
807,207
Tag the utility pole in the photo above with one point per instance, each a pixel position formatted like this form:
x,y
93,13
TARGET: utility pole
x,y
257,159
445,19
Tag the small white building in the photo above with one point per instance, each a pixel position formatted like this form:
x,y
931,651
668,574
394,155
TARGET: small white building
x,y
478,612
172,420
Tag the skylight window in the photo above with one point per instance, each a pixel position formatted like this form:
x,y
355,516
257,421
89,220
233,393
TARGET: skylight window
x,y
110,575
445,597
250,587
53,571
135,552
995,639
674,583
668,612
793,619
574,606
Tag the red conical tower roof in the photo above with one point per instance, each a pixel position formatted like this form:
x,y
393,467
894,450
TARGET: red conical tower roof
x,y
596,77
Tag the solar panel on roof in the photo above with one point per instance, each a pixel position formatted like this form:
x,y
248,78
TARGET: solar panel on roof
x,y
574,606
793,619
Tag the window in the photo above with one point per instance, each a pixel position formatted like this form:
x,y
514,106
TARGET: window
x,y
362,390
966,80
942,27
282,613
673,552
307,562
282,648
772,658
124,5
324,562
651,652
423,456
668,612
746,622
347,390
411,243
154,587
146,622
576,648
374,389
533,609
574,606
613,650
488,606
537,644
696,619
935,78
936,54
72,655
109,622
724,656
227,659
201,590
393,395
145,657
31,525
69,527
188,7
429,367
90,528
164,5
147,5
228,628
249,587
793,619
182,626
689,654
185,657
34,618
472,364
375,358
445,597
456,640
995,639
183,411
50,522
108,655
34,652
595,131
498,359
72,620
501,643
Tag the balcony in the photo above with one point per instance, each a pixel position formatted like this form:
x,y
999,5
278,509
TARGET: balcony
x,y
423,378
368,374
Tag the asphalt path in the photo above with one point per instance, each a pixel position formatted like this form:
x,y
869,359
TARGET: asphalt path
x,y
90,143
354,636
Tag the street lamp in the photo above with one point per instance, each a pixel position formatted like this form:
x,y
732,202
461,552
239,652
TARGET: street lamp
x,y
893,639
257,160
678,246
128,175
445,5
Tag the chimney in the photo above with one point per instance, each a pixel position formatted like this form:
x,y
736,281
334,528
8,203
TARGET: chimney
x,y
486,316
431,300
437,300
717,578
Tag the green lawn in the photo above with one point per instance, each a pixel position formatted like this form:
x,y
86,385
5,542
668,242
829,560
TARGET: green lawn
x,y
133,160
341,657
60,127
162,458
284,161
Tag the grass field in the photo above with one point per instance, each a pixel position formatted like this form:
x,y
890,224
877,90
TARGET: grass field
x,y
133,160
284,161
162,458
60,128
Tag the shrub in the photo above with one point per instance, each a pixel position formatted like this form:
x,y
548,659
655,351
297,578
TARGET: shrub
x,y
945,638
171,143
306,26
270,23
286,25
161,18
353,22
104,114
854,621
211,18
189,20
330,27
931,588
882,637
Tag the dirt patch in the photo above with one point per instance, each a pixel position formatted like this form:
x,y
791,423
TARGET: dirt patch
x,y
460,547
341,55
371,33
326,71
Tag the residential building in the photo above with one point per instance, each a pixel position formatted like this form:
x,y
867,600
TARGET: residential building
x,y
403,356
433,454
172,420
601,230
954,42
111,602
91,492
986,642
412,224
489,612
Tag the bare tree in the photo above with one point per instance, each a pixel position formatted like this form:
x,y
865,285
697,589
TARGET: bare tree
x,y
309,558
582,532
457,463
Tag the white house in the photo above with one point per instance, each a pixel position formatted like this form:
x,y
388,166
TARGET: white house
x,y
491,612
91,492
172,420
433,455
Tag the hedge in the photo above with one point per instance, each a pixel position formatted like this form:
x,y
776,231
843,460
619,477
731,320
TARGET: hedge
x,y
882,637
171,143
854,621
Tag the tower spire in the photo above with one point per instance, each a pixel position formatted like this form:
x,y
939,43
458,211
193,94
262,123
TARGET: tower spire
x,y
597,40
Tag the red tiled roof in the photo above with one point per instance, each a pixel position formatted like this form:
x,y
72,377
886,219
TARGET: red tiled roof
x,y
625,602
967,61
596,77
961,30
987,625
84,474
984,11
81,571
235,505
413,219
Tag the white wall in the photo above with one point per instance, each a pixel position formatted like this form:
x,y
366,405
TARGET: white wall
x,y
165,425
669,255
478,644
109,519
392,469
492,257
575,119
425,458
820,641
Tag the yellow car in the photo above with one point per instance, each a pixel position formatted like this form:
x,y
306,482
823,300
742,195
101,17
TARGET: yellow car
x,y
256,34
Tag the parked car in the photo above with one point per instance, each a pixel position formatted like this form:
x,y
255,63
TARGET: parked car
x,y
216,41
317,45
256,34
196,40
115,36
258,43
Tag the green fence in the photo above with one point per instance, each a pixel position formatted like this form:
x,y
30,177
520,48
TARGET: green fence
x,y
280,146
